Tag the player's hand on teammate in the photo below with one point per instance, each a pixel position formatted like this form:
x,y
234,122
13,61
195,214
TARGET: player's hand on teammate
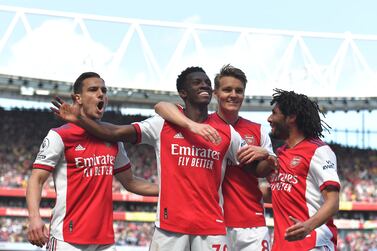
x,y
298,231
65,111
247,154
206,131
37,232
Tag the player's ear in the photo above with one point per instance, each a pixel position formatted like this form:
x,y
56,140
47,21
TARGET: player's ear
x,y
215,93
291,118
183,94
76,98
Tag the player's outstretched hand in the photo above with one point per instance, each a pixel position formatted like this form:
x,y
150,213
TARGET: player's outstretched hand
x,y
298,231
249,153
37,232
65,111
206,131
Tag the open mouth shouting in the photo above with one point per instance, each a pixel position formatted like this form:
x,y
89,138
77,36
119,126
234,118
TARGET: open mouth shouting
x,y
101,106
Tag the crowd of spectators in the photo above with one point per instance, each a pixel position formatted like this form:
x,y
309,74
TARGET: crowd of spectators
x,y
357,168
126,233
357,240
22,131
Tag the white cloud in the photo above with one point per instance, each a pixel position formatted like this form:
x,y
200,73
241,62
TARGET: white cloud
x,y
55,50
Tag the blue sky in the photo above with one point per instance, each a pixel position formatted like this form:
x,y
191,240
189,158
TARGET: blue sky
x,y
320,15
357,17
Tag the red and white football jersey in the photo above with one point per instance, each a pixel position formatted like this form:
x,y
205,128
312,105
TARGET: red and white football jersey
x,y
190,171
243,202
82,168
304,171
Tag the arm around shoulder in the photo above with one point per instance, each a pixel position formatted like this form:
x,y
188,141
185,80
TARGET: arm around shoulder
x,y
171,113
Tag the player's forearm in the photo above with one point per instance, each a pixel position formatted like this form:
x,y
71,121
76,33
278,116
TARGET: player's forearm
x,y
107,131
329,208
137,185
142,187
264,167
171,113
33,197
267,193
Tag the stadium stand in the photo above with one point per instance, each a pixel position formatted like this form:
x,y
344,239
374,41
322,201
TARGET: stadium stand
x,y
23,130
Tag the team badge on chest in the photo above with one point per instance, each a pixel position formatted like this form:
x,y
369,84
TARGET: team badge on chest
x,y
295,161
250,140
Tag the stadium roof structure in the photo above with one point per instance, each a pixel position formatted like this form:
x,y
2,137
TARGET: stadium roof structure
x,y
41,51
24,88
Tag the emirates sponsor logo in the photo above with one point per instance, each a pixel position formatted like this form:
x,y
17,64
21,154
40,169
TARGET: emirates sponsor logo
x,y
96,165
100,160
79,148
282,181
193,156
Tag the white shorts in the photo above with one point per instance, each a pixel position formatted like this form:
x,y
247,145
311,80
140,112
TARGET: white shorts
x,y
249,239
167,241
58,245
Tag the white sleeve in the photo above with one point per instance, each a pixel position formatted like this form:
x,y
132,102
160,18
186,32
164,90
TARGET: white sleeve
x,y
121,159
150,129
50,151
266,141
236,142
323,167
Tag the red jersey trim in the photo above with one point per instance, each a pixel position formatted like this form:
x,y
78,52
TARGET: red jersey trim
x,y
123,168
329,183
44,167
138,133
334,232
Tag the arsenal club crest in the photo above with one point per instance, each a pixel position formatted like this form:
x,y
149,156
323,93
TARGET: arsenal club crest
x,y
295,161
250,140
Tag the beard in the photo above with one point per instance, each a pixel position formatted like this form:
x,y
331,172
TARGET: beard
x,y
280,131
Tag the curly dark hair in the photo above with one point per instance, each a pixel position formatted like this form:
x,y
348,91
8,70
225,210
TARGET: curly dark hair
x,y
182,77
307,112
230,71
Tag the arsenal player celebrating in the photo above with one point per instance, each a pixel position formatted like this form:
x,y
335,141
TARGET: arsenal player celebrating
x,y
305,188
83,167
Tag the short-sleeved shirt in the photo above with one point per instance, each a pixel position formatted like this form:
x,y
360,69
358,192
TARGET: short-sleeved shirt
x,y
304,171
190,172
82,168
243,203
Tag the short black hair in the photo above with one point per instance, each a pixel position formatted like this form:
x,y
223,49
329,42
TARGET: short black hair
x,y
306,110
230,71
182,77
77,86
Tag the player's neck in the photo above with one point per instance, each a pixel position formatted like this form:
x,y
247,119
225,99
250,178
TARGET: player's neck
x,y
197,113
229,117
294,139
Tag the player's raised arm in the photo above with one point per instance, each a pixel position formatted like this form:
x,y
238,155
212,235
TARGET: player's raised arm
x,y
171,113
106,131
